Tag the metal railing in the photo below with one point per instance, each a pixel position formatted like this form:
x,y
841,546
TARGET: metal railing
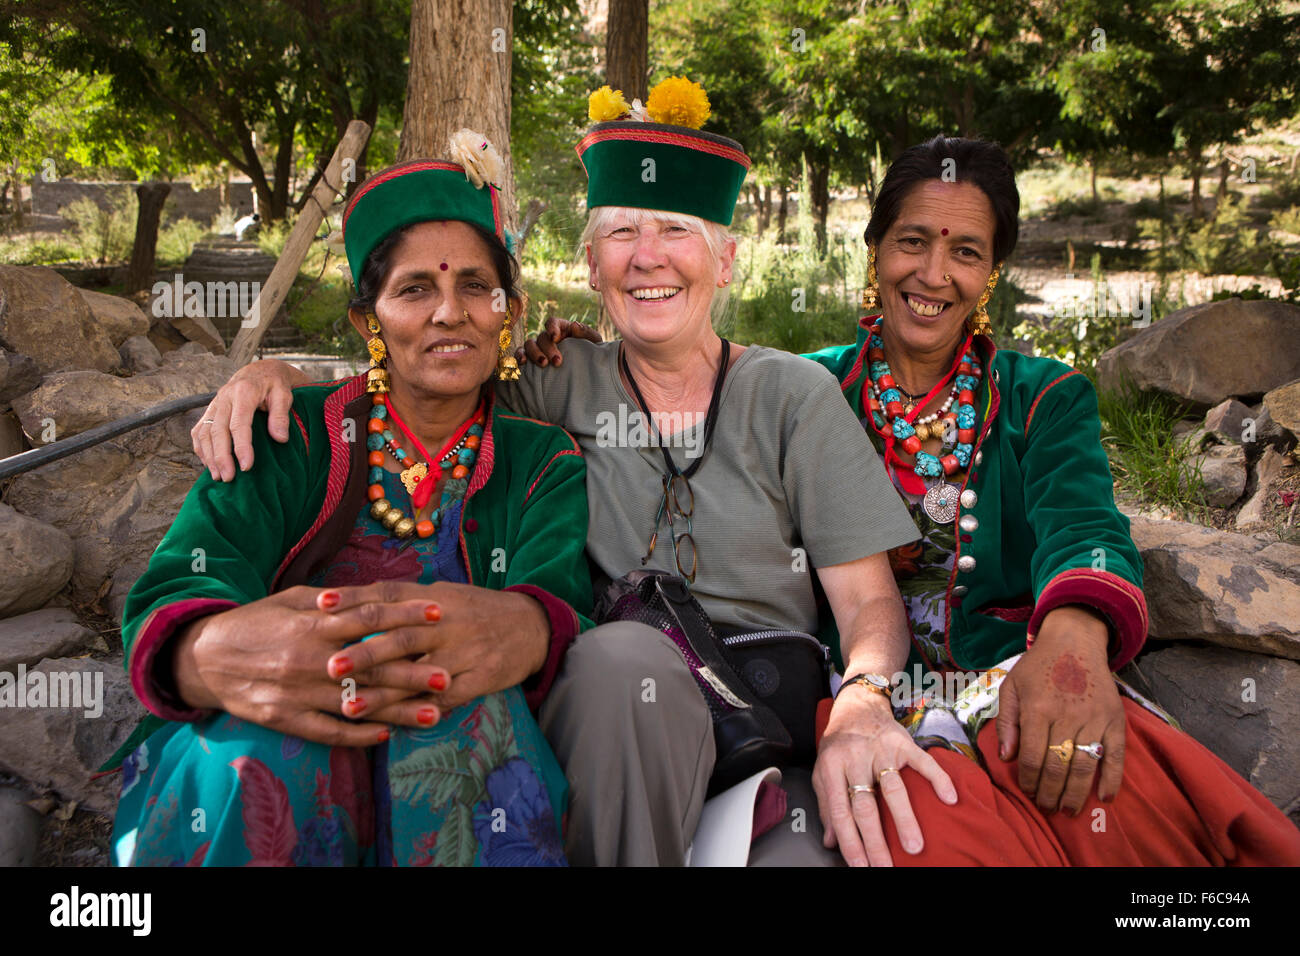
x,y
46,454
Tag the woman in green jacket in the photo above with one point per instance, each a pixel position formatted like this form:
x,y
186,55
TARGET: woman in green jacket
x,y
279,737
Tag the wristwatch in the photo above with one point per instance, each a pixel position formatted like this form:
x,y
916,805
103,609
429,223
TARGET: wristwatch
x,y
873,682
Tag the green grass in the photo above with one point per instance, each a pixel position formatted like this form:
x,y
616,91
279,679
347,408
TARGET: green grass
x,y
1137,431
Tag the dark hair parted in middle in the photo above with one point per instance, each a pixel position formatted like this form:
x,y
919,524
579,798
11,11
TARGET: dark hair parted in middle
x,y
975,161
377,264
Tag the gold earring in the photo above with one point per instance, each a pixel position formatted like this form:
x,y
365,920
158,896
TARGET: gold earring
x,y
871,294
507,367
980,323
377,377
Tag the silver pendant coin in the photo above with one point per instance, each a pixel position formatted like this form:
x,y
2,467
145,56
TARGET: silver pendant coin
x,y
941,502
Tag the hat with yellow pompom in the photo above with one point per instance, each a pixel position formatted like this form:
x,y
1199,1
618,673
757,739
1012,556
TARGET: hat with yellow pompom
x,y
657,157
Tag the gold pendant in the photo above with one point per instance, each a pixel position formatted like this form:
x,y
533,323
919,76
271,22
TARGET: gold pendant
x,y
411,476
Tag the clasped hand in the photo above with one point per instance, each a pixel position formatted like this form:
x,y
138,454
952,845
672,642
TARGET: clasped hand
x,y
290,661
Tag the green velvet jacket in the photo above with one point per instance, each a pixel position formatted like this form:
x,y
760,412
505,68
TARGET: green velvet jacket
x,y
523,527
1049,533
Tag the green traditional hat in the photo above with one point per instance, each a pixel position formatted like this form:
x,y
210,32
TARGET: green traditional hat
x,y
674,168
421,190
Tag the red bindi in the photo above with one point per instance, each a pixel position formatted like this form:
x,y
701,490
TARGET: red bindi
x,y
943,232
443,266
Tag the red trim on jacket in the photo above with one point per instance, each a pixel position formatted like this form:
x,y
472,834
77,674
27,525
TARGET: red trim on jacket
x,y
1039,397
160,626
1122,602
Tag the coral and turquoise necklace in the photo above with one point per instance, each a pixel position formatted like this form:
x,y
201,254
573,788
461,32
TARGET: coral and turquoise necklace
x,y
956,430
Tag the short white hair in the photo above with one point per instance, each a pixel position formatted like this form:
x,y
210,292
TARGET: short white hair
x,y
716,236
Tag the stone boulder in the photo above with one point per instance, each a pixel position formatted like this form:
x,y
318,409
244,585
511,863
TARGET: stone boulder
x,y
1283,404
12,441
1227,589
18,376
61,747
1208,352
45,316
77,401
20,829
1223,473
1226,421
50,632
38,561
139,354
120,318
116,499
1268,470
1243,707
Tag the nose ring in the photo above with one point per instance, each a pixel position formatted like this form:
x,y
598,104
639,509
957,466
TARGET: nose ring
x,y
946,277
465,312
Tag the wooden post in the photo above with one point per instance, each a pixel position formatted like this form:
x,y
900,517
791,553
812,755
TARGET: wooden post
x,y
286,268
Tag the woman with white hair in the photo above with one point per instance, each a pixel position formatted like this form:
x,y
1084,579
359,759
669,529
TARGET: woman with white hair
x,y
741,469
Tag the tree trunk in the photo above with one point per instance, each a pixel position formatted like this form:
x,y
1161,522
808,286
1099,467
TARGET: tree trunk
x,y
817,185
460,77
1197,208
1224,169
782,211
627,48
763,213
139,273
1092,169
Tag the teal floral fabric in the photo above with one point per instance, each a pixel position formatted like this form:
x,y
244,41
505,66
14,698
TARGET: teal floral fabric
x,y
479,788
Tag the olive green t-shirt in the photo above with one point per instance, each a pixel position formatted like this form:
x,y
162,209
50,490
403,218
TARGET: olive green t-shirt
x,y
789,482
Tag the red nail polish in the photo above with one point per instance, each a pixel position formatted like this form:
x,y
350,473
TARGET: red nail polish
x,y
383,736
438,682
433,613
329,599
356,706
427,715
342,665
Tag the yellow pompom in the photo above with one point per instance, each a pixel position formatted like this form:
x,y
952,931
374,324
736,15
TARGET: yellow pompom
x,y
605,105
678,101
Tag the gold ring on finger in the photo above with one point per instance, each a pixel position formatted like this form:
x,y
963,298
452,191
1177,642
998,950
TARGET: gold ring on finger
x,y
856,788
881,776
1064,750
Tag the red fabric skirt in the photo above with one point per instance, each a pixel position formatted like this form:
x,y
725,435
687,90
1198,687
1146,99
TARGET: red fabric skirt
x,y
1179,805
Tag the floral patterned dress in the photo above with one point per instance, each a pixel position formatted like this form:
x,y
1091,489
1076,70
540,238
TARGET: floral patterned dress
x,y
479,788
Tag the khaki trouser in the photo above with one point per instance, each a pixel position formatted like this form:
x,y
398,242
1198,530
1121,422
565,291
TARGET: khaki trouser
x,y
634,736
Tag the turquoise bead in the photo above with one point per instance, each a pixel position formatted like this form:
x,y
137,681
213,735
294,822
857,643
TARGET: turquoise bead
x,y
903,429
445,464
399,454
466,456
890,395
375,442
376,475
388,435
379,411
476,429
927,466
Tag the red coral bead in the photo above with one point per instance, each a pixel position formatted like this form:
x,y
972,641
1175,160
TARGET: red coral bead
x,y
460,471
876,355
376,425
964,368
885,381
949,463
966,397
375,492
966,435
377,399
911,444
894,408
424,528
376,459
473,441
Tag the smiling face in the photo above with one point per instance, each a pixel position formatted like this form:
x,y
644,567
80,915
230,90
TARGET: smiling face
x,y
656,274
437,274
933,264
